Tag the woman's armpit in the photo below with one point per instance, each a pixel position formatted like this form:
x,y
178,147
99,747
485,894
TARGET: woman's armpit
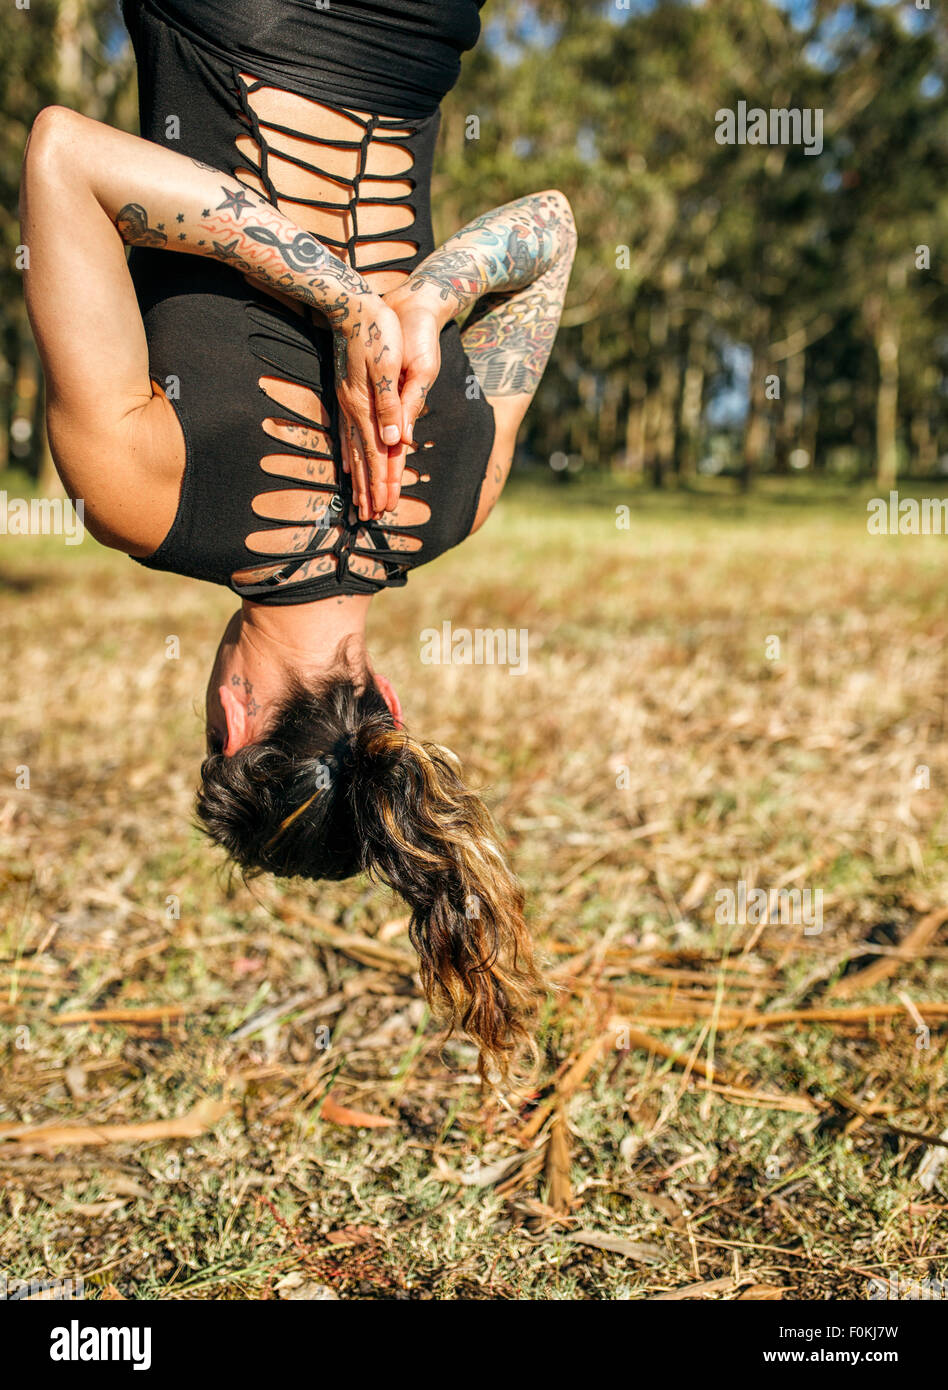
x,y
146,494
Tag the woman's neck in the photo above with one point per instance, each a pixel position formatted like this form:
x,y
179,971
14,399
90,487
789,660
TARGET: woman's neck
x,y
307,635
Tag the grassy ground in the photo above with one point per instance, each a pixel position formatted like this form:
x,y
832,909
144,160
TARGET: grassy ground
x,y
687,1136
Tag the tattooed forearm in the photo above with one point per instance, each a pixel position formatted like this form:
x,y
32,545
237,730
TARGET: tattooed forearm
x,y
215,216
506,249
509,337
509,347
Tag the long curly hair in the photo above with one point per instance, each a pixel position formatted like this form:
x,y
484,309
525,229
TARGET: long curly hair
x,y
335,789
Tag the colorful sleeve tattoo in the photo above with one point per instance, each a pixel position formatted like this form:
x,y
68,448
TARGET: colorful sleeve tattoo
x,y
512,265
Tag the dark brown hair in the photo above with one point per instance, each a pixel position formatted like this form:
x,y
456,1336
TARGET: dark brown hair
x,y
334,789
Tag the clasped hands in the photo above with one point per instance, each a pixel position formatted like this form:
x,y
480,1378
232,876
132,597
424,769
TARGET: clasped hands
x,y
387,358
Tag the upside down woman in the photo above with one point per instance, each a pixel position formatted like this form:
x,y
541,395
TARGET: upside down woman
x,y
272,392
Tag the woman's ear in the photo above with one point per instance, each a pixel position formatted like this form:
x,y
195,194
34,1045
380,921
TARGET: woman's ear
x,y
238,724
391,699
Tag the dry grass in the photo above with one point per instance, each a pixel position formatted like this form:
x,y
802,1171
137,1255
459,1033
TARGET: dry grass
x,y
654,753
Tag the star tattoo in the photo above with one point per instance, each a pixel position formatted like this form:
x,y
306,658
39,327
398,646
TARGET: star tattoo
x,y
235,201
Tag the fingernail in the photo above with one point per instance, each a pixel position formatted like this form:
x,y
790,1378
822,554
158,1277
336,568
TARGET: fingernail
x,y
390,434
410,433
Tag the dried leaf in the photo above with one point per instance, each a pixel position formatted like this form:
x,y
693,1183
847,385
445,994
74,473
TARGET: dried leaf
x,y
697,892
95,1208
557,1165
338,1114
704,1289
149,1015
666,1205
933,1161
914,943
124,1187
486,1174
398,926
633,1249
75,1078
296,1287
351,1235
203,1117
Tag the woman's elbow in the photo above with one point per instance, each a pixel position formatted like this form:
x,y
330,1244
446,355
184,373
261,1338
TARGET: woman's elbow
x,y
52,136
563,211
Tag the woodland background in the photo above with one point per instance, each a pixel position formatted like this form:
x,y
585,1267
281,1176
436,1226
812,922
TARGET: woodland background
x,y
743,261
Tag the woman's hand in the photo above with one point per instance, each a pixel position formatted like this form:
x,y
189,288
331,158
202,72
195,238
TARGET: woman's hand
x,y
421,321
368,361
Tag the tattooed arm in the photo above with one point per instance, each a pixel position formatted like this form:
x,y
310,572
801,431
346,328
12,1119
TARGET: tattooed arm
x,y
158,198
511,268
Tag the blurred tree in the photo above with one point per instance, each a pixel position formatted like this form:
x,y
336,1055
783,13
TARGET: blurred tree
x,y
889,133
690,248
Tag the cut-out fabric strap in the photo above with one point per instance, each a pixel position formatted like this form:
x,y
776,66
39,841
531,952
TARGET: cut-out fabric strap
x,y
376,129
292,359
336,534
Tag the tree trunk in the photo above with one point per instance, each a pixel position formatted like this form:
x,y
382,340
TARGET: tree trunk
x,y
609,420
651,423
811,431
26,385
757,425
887,402
667,423
692,398
923,443
654,404
635,427
790,424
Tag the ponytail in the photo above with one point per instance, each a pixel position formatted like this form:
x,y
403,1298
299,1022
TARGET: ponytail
x,y
434,842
